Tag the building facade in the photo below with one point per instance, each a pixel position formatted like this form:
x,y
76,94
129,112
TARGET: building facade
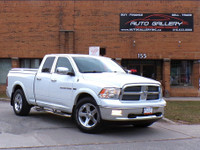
x,y
159,39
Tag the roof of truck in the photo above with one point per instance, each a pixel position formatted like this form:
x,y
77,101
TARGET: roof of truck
x,y
74,55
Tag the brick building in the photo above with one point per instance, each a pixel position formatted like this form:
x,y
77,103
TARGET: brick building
x,y
159,39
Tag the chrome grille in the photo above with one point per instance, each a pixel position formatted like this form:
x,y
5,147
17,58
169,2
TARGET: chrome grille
x,y
140,92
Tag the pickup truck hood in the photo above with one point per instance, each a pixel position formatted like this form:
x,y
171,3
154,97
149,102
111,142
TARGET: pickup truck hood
x,y
117,79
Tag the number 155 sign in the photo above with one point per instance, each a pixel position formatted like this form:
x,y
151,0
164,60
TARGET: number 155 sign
x,y
142,56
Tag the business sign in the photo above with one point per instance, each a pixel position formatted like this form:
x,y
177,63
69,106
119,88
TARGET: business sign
x,y
94,50
156,22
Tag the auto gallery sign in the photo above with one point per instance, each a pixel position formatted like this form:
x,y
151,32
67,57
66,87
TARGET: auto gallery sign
x,y
156,22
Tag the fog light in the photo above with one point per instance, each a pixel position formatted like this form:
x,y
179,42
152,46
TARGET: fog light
x,y
116,113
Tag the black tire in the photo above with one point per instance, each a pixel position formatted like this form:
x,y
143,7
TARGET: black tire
x,y
20,105
87,115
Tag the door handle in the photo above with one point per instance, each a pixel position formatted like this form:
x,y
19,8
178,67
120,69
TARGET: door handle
x,y
39,79
53,80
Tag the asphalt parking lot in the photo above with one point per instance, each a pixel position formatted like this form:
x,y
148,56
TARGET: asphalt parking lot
x,y
44,131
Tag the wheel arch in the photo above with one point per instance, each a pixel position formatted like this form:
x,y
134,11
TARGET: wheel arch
x,y
16,87
81,93
85,93
81,96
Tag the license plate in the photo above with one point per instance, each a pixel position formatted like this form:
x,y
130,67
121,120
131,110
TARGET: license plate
x,y
148,110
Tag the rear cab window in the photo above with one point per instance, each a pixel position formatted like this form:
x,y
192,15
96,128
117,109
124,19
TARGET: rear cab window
x,y
46,68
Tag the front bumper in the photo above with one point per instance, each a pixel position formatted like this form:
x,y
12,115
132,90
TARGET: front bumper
x,y
132,111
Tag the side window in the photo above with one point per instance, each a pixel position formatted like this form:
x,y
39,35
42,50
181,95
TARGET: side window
x,y
48,64
64,62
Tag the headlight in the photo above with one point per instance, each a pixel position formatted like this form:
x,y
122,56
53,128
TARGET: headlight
x,y
110,93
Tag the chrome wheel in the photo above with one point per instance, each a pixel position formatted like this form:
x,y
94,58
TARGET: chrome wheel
x,y
88,115
18,102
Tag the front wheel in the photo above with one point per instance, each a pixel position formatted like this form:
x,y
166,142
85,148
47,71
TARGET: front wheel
x,y
20,105
87,115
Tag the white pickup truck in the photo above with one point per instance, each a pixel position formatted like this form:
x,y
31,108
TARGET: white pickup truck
x,y
92,89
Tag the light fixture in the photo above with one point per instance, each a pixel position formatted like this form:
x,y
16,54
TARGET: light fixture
x,y
179,43
134,43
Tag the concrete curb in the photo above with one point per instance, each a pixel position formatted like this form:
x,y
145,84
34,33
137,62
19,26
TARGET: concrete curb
x,y
182,99
167,121
4,99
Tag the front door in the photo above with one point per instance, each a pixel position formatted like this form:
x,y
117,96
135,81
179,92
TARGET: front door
x,y
61,86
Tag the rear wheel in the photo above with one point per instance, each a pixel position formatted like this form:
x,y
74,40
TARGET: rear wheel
x,y
87,115
20,105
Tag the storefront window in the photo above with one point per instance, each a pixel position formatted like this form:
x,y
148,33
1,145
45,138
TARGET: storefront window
x,y
5,66
30,63
181,73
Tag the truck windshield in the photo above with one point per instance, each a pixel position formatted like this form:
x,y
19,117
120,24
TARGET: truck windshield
x,y
97,65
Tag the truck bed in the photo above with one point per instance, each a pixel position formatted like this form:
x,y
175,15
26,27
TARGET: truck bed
x,y
25,78
24,70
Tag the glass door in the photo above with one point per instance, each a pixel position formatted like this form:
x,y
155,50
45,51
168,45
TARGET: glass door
x,y
149,71
146,68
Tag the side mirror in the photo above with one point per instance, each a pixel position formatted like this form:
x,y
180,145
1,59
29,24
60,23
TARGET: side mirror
x,y
62,70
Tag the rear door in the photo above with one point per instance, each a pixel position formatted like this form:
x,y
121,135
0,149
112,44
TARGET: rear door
x,y
42,81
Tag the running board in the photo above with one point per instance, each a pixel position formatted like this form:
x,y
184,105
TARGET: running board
x,y
53,111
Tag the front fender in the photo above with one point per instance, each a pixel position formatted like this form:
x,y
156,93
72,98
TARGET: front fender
x,y
87,91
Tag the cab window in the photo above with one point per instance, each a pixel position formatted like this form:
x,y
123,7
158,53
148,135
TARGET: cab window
x,y
64,62
48,65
